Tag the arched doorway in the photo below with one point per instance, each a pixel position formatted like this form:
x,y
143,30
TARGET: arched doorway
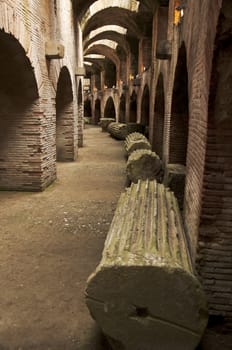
x,y
110,73
179,112
122,109
20,118
157,142
87,108
133,108
215,233
109,111
64,117
145,109
97,110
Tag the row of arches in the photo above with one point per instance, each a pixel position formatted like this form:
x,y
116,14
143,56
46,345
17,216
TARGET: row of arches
x,y
183,125
27,148
199,138
179,113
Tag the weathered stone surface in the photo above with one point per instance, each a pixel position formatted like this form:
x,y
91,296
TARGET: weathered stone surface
x,y
143,293
118,130
175,179
134,136
104,123
135,127
135,141
122,130
54,50
143,164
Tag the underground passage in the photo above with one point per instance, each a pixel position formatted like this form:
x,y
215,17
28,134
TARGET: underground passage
x,y
116,175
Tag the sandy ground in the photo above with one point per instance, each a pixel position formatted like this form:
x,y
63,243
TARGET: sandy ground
x,y
50,242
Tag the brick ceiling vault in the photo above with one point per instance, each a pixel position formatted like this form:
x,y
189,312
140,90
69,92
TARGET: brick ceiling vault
x,y
81,6
133,16
111,35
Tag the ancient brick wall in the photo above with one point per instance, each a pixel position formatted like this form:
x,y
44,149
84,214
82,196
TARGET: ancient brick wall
x,y
208,179
193,31
64,117
32,156
66,32
29,165
167,68
158,125
179,122
215,236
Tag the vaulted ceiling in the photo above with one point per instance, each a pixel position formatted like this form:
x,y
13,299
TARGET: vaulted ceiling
x,y
81,6
132,15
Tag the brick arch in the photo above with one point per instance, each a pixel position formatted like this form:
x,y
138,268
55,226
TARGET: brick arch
x,y
12,24
20,117
109,110
64,117
158,126
215,232
133,108
179,111
145,108
122,109
112,16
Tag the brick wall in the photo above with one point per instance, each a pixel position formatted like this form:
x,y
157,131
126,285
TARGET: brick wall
x,y
215,236
167,68
208,175
22,149
32,24
158,124
179,112
64,118
197,33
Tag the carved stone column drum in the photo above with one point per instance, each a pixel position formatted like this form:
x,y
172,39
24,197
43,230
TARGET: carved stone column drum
x,y
144,294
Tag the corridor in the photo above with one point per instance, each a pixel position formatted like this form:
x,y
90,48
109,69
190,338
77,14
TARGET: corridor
x,y
165,65
50,242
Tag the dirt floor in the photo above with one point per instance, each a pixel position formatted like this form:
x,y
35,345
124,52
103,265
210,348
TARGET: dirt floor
x,y
50,242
